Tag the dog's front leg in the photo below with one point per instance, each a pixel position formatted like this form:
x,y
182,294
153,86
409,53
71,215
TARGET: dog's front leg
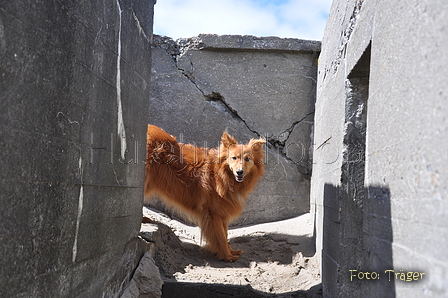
x,y
237,252
214,230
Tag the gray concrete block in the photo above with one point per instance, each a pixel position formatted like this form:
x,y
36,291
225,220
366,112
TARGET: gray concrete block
x,y
251,87
71,204
403,178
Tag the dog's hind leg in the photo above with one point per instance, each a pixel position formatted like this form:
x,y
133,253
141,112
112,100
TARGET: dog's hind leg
x,y
215,234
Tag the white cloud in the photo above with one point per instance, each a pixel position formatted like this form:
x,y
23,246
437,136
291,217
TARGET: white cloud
x,y
303,19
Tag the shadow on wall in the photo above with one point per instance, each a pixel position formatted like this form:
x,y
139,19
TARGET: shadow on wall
x,y
357,243
357,230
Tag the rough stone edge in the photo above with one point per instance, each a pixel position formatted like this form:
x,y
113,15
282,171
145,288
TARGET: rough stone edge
x,y
146,281
242,43
250,42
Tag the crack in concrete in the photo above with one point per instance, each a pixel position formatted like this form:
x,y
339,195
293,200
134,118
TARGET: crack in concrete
x,y
279,142
346,35
294,124
274,141
214,96
218,98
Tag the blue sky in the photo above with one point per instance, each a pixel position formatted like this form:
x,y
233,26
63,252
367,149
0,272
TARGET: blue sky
x,y
304,19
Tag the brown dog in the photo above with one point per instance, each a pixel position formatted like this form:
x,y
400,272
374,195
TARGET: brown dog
x,y
208,185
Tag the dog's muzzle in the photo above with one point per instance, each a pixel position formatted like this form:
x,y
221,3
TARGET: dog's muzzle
x,y
239,175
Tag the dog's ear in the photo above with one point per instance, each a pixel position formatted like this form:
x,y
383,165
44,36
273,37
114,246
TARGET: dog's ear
x,y
256,149
256,144
227,140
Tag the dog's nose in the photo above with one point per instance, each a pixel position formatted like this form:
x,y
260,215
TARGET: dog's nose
x,y
240,172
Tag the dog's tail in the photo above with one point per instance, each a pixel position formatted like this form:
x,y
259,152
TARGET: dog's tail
x,y
156,134
162,147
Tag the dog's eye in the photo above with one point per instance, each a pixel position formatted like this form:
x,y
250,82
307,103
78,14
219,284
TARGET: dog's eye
x,y
234,157
247,159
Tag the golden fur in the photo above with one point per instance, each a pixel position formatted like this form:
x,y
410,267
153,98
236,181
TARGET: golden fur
x,y
208,185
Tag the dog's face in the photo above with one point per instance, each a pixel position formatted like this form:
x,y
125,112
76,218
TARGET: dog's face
x,y
242,158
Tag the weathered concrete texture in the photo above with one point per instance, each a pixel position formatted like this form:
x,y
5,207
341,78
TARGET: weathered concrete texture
x,y
381,202
251,87
249,42
74,83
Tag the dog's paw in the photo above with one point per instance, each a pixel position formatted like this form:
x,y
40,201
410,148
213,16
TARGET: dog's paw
x,y
231,258
234,255
237,252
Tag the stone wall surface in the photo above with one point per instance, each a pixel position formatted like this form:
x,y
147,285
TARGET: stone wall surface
x,y
379,186
74,89
252,87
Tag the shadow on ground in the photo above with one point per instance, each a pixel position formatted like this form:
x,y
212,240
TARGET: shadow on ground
x,y
275,248
195,290
273,265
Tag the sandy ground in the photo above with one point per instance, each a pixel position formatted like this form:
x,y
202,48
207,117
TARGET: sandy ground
x,y
279,257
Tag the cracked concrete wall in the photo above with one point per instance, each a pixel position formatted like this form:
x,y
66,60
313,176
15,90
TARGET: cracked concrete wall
x,y
252,87
385,208
74,84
